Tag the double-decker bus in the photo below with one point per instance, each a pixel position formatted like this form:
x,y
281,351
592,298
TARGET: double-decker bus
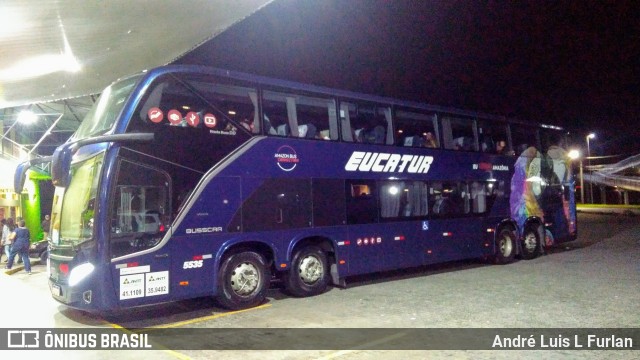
x,y
186,181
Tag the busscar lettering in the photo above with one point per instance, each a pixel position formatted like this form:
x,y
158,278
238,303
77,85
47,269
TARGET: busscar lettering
x,y
385,162
204,230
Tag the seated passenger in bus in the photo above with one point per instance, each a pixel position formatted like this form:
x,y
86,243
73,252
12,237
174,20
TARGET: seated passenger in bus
x,y
501,147
486,144
375,135
429,140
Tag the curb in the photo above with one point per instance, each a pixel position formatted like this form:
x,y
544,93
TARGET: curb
x,y
16,269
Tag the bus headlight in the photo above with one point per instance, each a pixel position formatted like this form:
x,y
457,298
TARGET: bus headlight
x,y
80,272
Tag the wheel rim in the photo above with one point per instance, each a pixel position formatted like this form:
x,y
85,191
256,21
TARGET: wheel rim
x,y
506,245
530,242
311,269
245,279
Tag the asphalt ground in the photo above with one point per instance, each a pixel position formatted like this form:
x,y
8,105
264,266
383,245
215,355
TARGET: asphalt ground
x,y
589,283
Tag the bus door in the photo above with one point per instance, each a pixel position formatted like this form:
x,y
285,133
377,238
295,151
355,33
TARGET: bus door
x,y
140,210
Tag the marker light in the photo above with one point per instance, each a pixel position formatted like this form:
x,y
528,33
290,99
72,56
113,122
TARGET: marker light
x,y
80,272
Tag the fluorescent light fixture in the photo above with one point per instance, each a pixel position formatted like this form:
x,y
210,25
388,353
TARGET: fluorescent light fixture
x,y
42,65
27,117
13,22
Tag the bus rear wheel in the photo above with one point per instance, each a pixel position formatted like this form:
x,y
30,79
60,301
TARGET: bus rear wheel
x,y
505,246
309,273
530,243
244,280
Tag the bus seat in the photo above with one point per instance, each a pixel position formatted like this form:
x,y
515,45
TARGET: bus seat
x,y
359,135
307,131
268,128
283,130
413,141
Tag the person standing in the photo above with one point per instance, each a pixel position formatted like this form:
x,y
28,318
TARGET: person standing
x,y
7,230
21,237
46,224
2,223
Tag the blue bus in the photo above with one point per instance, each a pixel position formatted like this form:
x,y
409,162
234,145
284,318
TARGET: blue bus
x,y
187,181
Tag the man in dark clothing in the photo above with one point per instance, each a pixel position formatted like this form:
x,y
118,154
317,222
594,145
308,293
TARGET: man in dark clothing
x,y
20,246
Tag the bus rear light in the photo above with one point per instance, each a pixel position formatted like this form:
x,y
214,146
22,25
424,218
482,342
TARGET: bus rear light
x,y
64,268
197,257
447,234
486,245
184,283
490,230
429,251
283,266
342,262
399,238
161,228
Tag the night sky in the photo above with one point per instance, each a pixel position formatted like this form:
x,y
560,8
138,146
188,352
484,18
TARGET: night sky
x,y
572,64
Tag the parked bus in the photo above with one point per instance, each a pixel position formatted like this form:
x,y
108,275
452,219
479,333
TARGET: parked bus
x,y
188,181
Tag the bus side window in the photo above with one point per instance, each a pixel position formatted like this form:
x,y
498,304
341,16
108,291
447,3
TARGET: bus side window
x,y
449,198
366,123
300,116
416,129
459,134
402,199
316,118
522,138
140,209
362,207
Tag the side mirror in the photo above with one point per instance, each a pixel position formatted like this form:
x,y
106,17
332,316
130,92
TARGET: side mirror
x,y
20,176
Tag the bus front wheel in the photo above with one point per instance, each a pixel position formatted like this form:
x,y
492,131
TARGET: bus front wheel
x,y
244,280
530,243
309,273
505,246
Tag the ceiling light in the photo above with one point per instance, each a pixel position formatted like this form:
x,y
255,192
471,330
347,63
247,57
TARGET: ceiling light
x,y
27,117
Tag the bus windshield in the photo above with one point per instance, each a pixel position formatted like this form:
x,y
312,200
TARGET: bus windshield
x,y
73,218
104,113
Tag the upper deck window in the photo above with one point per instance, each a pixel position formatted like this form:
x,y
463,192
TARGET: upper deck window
x,y
416,129
200,103
459,134
105,112
299,116
366,123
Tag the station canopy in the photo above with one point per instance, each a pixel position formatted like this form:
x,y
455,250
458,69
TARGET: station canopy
x,y
57,55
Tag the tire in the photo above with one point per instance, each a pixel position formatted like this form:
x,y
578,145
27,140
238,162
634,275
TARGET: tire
x,y
309,274
530,244
243,280
505,246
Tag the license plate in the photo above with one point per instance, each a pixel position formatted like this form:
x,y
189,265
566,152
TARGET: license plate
x,y
55,290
